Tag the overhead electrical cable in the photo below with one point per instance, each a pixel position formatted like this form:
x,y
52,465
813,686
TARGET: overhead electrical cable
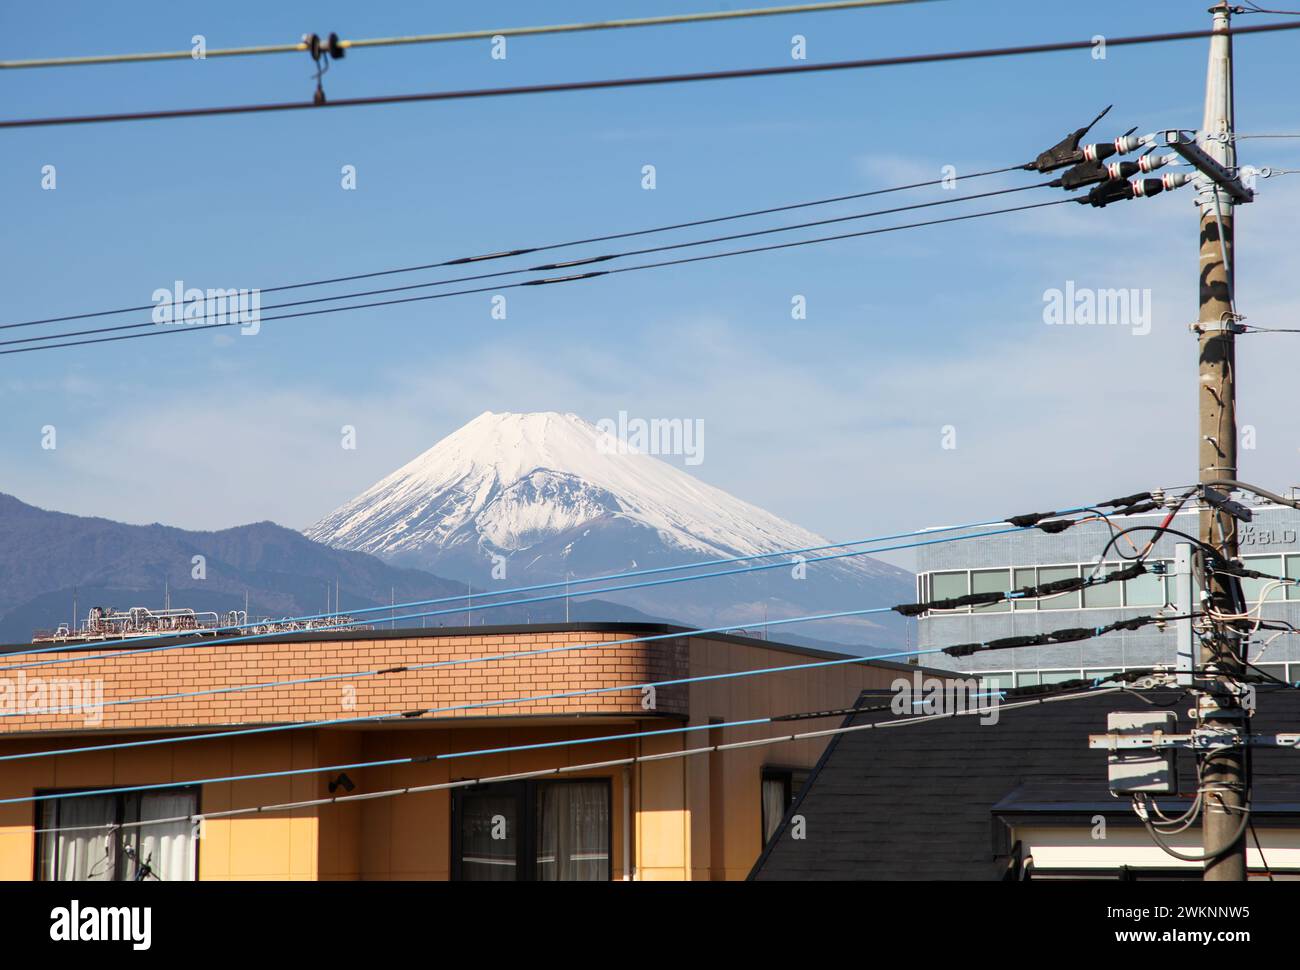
x,y
431,712
1070,635
508,253
63,648
462,35
544,772
571,584
627,82
518,700
545,267
415,759
906,609
222,641
168,330
420,714
1054,588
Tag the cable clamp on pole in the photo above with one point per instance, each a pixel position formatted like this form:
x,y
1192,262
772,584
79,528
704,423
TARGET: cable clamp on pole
x,y
1229,324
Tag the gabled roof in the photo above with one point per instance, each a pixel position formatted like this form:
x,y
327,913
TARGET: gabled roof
x,y
918,802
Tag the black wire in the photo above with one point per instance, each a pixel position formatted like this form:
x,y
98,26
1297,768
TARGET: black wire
x,y
504,254
1263,861
1109,525
1159,530
1080,687
1256,8
157,332
668,247
646,81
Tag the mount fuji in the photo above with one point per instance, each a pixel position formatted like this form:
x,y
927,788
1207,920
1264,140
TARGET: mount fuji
x,y
517,499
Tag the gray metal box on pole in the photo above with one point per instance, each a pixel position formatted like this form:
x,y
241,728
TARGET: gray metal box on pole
x,y
1150,770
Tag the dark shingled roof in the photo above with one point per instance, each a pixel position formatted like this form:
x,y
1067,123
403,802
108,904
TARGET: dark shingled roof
x,y
918,802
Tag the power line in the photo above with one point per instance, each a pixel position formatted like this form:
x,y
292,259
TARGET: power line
x,y
78,658
568,583
388,762
621,762
906,609
563,86
588,260
478,705
1021,522
507,253
1252,7
177,329
464,35
1124,506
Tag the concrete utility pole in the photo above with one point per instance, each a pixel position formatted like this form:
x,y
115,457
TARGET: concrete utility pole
x,y
1223,771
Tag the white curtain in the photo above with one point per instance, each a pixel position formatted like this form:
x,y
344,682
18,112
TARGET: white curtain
x,y
573,831
88,855
773,806
167,848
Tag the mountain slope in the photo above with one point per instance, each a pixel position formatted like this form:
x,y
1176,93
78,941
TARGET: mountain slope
x,y
549,495
50,557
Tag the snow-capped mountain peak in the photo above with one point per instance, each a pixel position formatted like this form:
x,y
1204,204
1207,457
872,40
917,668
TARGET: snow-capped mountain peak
x,y
511,480
534,498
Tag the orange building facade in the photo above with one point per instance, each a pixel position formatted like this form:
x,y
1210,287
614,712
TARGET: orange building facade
x,y
697,816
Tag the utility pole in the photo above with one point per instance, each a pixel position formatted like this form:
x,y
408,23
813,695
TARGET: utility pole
x,y
1224,780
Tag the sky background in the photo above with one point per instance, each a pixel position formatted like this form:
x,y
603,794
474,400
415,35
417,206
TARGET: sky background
x,y
835,422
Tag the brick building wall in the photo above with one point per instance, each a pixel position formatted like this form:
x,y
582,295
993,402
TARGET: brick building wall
x,y
200,668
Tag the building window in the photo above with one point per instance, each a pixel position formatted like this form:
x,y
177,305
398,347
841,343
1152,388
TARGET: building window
x,y
945,586
93,838
1104,594
1146,590
991,682
991,581
779,787
1293,572
1057,676
1023,579
546,830
1060,601
1253,589
1102,675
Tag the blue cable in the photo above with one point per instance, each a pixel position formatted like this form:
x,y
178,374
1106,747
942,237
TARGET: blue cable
x,y
598,579
518,602
370,718
388,762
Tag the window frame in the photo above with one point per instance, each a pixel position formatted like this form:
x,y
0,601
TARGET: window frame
x,y
526,851
793,778
119,816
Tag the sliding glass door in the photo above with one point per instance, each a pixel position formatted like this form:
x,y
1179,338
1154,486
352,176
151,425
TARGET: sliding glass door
x,y
546,830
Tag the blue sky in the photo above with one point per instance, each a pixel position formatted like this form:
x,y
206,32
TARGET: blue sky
x,y
834,421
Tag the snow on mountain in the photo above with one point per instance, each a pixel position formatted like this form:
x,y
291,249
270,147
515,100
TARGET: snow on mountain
x,y
553,495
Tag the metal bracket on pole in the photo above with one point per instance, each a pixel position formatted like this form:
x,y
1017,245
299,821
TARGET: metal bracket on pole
x,y
1204,739
1185,145
1185,602
1226,505
1224,326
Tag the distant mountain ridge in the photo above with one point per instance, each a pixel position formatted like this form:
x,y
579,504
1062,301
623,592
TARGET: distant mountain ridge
x,y
48,558
548,496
